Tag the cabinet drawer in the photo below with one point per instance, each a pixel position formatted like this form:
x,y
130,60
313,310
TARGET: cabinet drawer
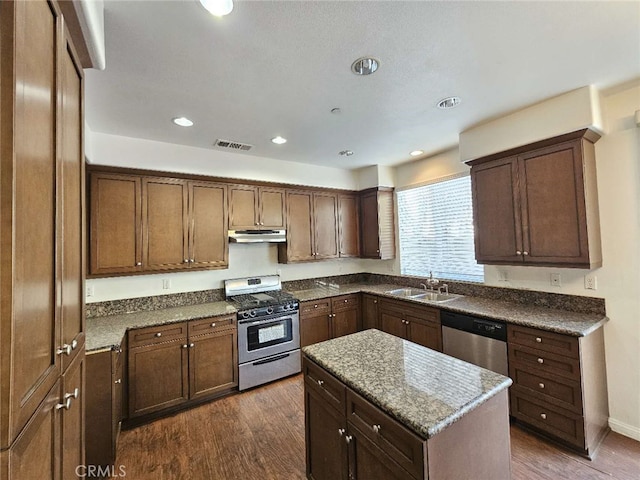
x,y
346,302
322,382
404,446
315,307
408,308
210,325
561,423
545,361
559,391
159,334
542,340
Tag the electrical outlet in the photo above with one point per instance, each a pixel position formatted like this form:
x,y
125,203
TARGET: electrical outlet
x,y
590,282
90,291
556,280
502,276
166,284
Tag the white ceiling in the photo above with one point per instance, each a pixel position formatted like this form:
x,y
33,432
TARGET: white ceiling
x,y
278,68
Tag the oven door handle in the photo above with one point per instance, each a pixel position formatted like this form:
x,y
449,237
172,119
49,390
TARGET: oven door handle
x,y
271,359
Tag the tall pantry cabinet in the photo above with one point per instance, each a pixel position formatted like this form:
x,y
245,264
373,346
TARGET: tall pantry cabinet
x,y
42,253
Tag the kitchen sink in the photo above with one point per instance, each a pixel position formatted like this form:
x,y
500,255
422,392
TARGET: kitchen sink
x,y
420,294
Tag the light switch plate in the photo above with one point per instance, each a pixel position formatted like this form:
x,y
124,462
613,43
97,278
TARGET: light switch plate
x,y
590,282
166,284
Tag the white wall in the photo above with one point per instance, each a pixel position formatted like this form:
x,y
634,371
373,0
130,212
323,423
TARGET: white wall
x,y
618,174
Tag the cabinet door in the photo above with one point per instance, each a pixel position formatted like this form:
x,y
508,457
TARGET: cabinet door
x,y
116,223
392,322
326,449
424,332
71,208
272,208
165,219
315,322
99,410
72,427
325,215
553,205
208,244
496,212
349,225
28,236
299,246
369,217
158,377
346,315
243,207
369,311
213,363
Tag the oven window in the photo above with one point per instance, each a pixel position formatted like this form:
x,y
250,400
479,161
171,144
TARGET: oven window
x,y
269,333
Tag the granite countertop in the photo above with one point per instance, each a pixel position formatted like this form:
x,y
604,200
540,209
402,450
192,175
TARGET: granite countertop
x,y
559,321
423,389
107,332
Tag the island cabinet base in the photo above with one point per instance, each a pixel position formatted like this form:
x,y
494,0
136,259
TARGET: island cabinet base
x,y
349,438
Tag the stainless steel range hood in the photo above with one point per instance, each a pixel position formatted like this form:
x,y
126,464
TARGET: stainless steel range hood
x,y
257,236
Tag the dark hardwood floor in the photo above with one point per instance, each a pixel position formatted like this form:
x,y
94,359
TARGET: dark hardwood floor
x,y
259,435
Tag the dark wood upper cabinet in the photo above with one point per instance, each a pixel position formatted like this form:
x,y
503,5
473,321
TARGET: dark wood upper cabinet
x,y
256,208
377,224
538,205
312,227
207,230
349,225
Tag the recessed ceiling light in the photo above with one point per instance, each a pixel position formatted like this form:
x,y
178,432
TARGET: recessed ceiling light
x,y
415,153
279,140
182,121
345,153
218,8
449,102
365,66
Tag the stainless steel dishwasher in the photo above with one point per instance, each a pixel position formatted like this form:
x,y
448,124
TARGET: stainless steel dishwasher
x,y
475,340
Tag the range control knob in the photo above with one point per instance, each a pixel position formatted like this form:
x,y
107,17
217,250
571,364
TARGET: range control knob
x,y
245,314
269,310
252,313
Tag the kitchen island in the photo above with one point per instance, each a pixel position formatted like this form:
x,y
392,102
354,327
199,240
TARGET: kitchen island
x,y
379,407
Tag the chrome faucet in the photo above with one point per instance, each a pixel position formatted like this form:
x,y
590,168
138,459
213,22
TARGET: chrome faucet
x,y
444,287
432,282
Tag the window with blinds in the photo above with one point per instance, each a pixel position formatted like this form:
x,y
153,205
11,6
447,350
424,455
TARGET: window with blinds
x,y
436,231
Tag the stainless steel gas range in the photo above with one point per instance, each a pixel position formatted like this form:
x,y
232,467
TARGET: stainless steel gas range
x,y
268,329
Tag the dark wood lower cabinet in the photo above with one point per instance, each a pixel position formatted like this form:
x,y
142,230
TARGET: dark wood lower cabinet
x,y
328,318
213,363
416,323
369,311
73,418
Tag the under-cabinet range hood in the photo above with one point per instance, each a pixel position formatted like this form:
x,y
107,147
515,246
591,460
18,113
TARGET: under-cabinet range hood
x,y
257,236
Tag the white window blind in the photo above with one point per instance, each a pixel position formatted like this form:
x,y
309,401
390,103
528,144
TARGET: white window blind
x,y
436,231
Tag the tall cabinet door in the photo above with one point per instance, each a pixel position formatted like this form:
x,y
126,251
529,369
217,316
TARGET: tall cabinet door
x,y
348,226
208,245
325,213
116,224
165,222
71,207
299,226
73,414
498,235
28,233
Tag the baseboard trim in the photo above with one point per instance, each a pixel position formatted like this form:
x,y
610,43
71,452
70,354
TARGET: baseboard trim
x,y
624,429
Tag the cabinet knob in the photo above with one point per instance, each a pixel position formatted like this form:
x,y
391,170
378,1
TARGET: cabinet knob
x,y
525,253
540,360
186,260
66,349
538,340
185,346
75,394
192,260
138,264
543,416
518,252
159,334
375,301
118,381
348,438
541,385
213,324
376,428
341,431
377,251
261,223
191,345
315,306
346,301
320,382
66,404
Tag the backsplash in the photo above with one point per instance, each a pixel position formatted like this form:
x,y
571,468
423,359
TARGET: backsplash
x,y
571,303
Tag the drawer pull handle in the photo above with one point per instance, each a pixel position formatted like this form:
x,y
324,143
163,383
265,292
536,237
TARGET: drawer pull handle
x,y
159,334
320,382
376,428
348,438
541,385
341,431
213,324
538,340
543,416
540,360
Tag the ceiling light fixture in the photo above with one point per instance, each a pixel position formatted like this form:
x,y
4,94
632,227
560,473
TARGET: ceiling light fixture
x,y
449,102
182,121
279,140
218,8
365,66
415,153
345,153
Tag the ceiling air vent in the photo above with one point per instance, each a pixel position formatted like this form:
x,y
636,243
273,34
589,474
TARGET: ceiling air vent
x,y
233,145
